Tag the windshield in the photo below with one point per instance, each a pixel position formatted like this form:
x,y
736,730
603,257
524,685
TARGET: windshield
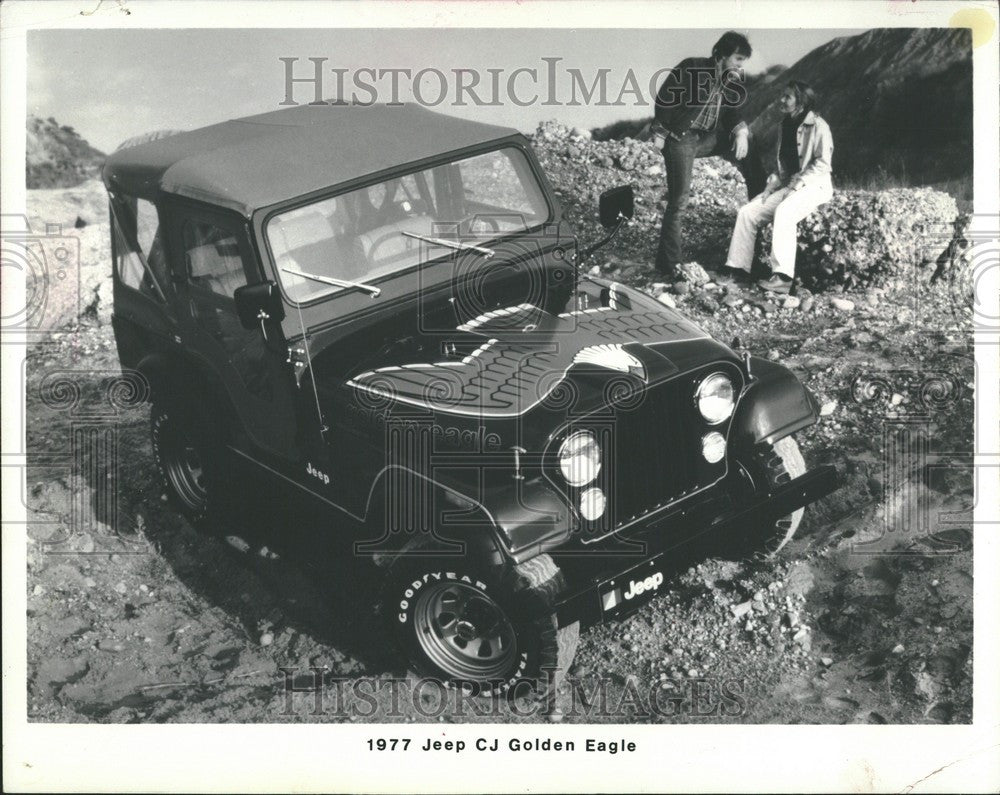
x,y
393,225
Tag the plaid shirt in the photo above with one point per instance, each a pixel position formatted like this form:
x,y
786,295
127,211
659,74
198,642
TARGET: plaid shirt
x,y
708,116
680,100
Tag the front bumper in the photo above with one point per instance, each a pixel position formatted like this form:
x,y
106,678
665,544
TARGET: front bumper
x,y
589,601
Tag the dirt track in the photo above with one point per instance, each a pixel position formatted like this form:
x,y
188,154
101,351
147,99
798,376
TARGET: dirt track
x,y
132,616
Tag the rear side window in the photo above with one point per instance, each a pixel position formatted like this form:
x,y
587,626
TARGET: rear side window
x,y
212,257
147,232
138,245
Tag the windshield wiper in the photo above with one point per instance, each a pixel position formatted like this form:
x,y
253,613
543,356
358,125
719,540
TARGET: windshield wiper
x,y
438,241
375,291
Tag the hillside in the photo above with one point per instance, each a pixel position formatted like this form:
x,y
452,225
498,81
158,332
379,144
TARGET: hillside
x,y
57,157
899,101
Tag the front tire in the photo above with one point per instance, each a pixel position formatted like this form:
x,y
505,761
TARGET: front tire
x,y
469,626
762,471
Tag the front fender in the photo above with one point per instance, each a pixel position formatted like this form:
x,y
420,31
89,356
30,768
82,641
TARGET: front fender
x,y
530,518
499,515
498,518
774,405
525,516
160,371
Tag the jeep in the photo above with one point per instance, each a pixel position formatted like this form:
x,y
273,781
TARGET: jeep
x,y
380,311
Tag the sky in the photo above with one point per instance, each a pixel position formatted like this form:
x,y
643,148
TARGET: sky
x,y
113,84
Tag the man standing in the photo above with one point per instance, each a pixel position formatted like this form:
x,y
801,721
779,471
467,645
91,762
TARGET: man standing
x,y
699,113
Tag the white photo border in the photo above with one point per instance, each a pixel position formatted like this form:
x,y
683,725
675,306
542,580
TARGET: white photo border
x,y
308,758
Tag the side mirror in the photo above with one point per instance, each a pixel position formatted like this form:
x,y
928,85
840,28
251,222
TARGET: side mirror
x,y
616,204
256,303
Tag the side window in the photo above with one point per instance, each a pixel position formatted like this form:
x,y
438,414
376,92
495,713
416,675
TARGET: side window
x,y
139,257
212,257
147,232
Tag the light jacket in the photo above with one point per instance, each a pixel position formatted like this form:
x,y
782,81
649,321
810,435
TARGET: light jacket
x,y
815,144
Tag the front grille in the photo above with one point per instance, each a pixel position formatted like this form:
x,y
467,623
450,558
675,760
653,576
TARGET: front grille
x,y
651,451
654,452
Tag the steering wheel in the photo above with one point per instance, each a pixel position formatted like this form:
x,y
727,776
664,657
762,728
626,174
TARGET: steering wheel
x,y
382,241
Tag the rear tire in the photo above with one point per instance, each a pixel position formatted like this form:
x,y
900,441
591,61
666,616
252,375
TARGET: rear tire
x,y
189,462
473,627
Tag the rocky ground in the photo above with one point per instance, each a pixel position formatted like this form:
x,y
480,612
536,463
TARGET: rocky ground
x,y
133,617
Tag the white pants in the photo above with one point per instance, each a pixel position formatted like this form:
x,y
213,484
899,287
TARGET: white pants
x,y
787,207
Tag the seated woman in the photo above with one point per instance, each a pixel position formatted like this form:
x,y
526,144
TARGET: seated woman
x,y
801,183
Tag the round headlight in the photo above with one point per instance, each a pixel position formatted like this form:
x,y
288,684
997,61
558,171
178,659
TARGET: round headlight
x,y
579,458
715,398
713,447
592,504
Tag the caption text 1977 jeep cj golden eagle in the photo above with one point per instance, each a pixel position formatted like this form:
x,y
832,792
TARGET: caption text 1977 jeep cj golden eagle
x,y
380,311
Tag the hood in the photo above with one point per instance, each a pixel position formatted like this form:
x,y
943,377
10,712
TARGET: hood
x,y
504,363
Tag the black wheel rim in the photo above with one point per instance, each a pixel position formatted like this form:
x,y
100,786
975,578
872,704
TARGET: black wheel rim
x,y
185,471
464,632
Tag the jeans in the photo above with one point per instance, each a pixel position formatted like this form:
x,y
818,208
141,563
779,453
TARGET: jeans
x,y
679,157
787,207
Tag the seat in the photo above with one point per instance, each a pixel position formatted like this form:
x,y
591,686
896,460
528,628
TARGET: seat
x,y
386,248
217,266
314,243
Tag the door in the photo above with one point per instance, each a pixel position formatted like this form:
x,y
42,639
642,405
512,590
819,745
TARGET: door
x,y
144,295
211,258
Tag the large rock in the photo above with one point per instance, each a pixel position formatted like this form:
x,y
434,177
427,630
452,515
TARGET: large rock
x,y
869,237
69,268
